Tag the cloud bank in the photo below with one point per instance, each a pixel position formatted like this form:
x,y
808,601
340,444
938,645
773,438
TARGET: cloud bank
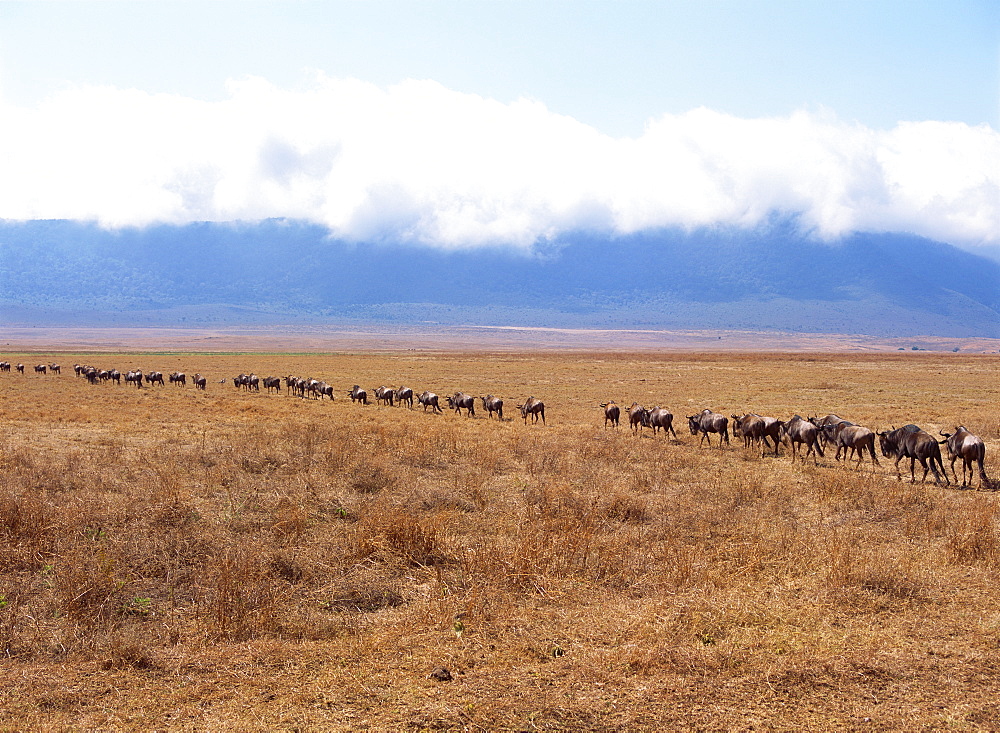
x,y
419,162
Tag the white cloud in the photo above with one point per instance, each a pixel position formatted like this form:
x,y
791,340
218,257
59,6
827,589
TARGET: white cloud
x,y
422,163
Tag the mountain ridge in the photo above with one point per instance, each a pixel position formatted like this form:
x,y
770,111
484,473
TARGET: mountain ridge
x,y
772,278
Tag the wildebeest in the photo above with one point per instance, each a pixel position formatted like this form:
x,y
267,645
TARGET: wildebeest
x,y
460,401
661,417
493,404
200,382
429,399
325,390
612,413
404,394
115,376
757,429
178,378
384,396
798,431
851,439
358,395
55,368
20,368
4,366
534,407
912,442
134,376
822,422
706,422
637,417
963,444
78,369
272,383
40,369
155,378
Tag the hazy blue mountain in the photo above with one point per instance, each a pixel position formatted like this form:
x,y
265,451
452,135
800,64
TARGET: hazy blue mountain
x,y
56,272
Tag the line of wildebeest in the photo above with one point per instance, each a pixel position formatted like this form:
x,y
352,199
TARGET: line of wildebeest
x,y
808,434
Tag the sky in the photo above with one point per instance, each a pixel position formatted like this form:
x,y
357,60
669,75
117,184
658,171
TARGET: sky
x,y
471,122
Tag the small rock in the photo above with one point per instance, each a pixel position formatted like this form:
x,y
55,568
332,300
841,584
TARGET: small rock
x,y
441,674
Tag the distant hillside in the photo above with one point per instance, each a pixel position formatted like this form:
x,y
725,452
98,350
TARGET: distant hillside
x,y
58,272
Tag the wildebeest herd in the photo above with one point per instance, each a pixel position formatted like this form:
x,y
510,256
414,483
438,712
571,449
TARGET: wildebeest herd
x,y
811,435
814,434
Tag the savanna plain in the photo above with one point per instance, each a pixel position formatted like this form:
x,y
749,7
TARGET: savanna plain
x,y
225,560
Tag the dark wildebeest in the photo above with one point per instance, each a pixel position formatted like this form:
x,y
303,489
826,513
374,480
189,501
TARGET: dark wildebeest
x,y
661,417
200,382
40,369
134,376
93,374
821,423
534,407
155,378
77,368
911,442
758,429
460,401
178,378
612,413
358,395
429,399
326,390
851,439
55,368
638,417
115,376
493,404
385,396
963,444
4,366
706,422
272,383
20,368
404,394
798,431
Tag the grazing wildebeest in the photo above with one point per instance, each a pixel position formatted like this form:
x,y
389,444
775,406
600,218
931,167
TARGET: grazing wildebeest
x,y
384,396
612,413
661,417
55,368
40,369
758,429
272,383
178,378
134,376
851,439
20,368
799,431
93,374
429,399
534,407
460,401
493,404
963,444
200,382
155,378
77,368
638,417
404,394
916,444
4,366
706,422
358,395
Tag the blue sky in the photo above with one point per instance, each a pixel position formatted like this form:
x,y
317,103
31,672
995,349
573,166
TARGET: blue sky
x,y
462,123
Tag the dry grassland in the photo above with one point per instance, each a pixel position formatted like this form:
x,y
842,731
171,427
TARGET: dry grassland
x,y
182,560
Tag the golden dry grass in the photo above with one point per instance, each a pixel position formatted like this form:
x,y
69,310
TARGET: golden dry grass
x,y
222,560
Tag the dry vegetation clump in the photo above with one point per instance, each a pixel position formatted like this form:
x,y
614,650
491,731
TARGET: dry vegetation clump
x,y
245,561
